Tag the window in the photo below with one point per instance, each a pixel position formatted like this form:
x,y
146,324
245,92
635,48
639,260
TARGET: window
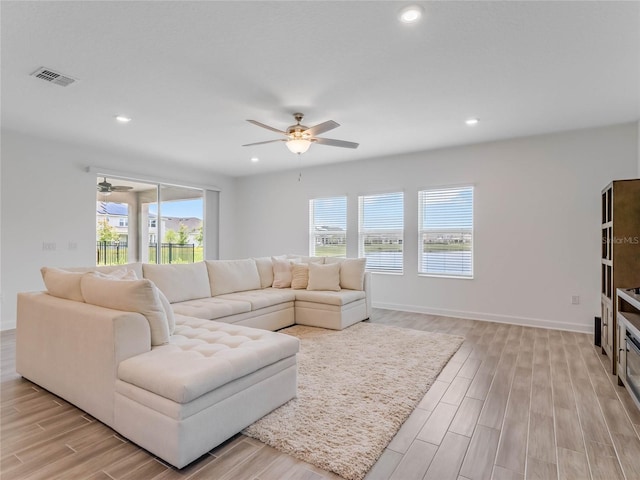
x,y
328,227
149,222
381,230
445,228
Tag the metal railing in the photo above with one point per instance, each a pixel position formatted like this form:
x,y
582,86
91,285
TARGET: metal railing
x,y
117,253
112,253
172,253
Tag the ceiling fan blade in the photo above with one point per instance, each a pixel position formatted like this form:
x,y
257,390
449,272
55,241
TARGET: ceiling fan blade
x,y
120,188
268,141
322,127
255,122
335,143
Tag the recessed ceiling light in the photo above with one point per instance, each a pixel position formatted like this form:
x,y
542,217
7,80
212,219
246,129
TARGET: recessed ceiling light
x,y
471,121
411,14
255,159
123,119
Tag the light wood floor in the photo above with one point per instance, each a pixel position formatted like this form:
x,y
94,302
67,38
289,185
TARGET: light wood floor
x,y
513,403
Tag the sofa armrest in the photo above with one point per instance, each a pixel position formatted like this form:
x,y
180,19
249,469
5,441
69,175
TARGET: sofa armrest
x,y
73,349
367,291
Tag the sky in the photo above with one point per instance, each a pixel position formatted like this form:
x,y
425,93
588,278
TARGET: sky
x,y
180,208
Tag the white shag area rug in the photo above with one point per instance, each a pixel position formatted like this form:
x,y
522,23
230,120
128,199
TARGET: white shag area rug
x,y
355,389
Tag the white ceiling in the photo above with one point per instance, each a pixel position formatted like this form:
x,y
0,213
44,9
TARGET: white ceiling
x,y
191,73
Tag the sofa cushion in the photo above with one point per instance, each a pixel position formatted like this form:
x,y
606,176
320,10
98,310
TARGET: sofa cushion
x,y
261,298
265,270
299,275
179,282
139,296
281,272
210,308
352,273
228,276
62,283
203,356
343,297
324,277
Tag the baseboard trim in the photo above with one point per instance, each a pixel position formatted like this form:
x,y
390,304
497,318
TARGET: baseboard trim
x,y
489,317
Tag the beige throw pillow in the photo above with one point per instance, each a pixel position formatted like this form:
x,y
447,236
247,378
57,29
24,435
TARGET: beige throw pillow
x,y
352,273
168,311
139,296
66,284
324,277
63,284
299,276
281,273
265,270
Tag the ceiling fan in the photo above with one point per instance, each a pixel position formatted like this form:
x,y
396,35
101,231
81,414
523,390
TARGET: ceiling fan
x,y
105,188
299,138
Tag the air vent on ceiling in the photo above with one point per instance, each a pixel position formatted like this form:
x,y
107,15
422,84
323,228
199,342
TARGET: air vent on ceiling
x,y
52,76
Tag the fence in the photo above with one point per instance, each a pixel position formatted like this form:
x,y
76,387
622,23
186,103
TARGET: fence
x,y
117,253
172,253
112,253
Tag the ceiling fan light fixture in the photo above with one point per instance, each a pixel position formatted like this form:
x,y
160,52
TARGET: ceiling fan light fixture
x,y
298,146
411,14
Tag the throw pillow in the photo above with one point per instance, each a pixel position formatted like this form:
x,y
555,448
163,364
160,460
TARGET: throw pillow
x,y
281,273
312,259
166,306
121,274
139,296
63,284
299,276
352,273
265,270
324,277
334,260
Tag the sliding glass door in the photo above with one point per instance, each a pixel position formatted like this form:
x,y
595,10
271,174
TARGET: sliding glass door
x,y
147,222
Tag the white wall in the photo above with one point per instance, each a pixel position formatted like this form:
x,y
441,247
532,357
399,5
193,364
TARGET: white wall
x,y
47,196
537,217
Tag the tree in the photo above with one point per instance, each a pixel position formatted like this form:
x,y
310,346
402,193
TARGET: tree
x,y
199,235
170,236
106,233
183,234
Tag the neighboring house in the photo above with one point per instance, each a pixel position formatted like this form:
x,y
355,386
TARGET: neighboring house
x,y
192,224
117,216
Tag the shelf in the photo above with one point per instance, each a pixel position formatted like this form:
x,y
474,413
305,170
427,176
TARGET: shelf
x,y
632,299
631,321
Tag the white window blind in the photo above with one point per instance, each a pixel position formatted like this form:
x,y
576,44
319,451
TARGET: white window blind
x,y
328,227
446,232
381,231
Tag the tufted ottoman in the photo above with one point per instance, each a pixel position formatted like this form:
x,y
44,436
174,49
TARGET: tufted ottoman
x,y
212,380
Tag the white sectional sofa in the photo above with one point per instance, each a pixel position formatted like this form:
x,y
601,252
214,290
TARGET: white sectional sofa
x,y
183,357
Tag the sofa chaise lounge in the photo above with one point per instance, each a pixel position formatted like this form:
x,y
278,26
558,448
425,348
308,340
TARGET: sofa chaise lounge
x,y
184,357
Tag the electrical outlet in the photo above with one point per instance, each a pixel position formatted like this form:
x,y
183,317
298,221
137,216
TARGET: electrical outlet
x,y
575,300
